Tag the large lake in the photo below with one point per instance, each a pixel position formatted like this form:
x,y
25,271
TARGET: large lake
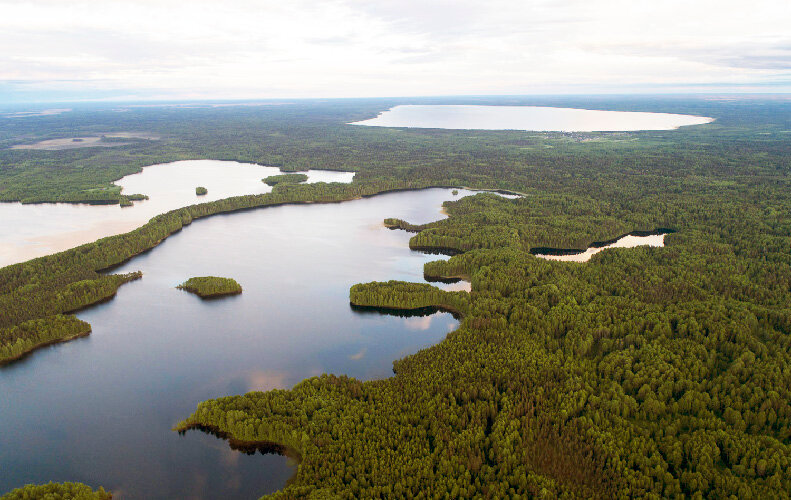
x,y
536,118
100,409
30,231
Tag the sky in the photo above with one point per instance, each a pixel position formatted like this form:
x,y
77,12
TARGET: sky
x,y
258,49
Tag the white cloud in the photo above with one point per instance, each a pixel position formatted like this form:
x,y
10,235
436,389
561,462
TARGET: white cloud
x,y
300,48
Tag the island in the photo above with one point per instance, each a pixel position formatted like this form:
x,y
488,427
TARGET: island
x,y
207,287
200,190
273,180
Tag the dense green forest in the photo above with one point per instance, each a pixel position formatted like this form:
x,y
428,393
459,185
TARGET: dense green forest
x,y
57,491
285,178
211,286
646,372
200,191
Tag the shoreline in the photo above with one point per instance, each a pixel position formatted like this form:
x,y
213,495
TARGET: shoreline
x,y
248,447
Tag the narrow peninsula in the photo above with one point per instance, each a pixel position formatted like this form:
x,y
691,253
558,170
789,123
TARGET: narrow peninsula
x,y
207,287
25,330
404,297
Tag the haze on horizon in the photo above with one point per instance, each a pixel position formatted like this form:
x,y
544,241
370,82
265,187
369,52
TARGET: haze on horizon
x,y
252,49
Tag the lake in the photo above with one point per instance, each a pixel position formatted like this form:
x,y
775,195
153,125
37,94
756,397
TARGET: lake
x,y
627,241
100,409
537,118
34,230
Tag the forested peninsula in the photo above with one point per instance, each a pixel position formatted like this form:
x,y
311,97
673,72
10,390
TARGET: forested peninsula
x,y
646,372
37,313
400,296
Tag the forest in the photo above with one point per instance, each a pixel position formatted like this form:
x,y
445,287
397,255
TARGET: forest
x,y
646,372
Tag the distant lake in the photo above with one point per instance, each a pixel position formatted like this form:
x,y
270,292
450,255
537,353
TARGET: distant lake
x,y
100,409
537,118
34,230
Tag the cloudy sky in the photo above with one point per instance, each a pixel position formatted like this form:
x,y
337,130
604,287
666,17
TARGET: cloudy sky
x,y
164,49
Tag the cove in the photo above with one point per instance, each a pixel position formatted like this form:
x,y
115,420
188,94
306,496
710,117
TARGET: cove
x,y
100,409
33,230
538,118
631,240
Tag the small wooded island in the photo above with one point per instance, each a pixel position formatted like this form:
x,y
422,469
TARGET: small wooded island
x,y
285,179
200,190
207,287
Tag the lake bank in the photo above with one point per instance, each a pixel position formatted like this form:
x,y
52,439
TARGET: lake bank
x,y
35,230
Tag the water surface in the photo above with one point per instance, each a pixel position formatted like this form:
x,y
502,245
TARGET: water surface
x,y
34,230
628,241
536,118
100,409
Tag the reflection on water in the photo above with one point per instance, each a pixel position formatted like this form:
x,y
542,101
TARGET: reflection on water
x,y
30,231
536,118
628,241
101,409
459,286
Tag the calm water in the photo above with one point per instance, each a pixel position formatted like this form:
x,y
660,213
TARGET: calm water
x,y
527,118
100,409
34,230
628,241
